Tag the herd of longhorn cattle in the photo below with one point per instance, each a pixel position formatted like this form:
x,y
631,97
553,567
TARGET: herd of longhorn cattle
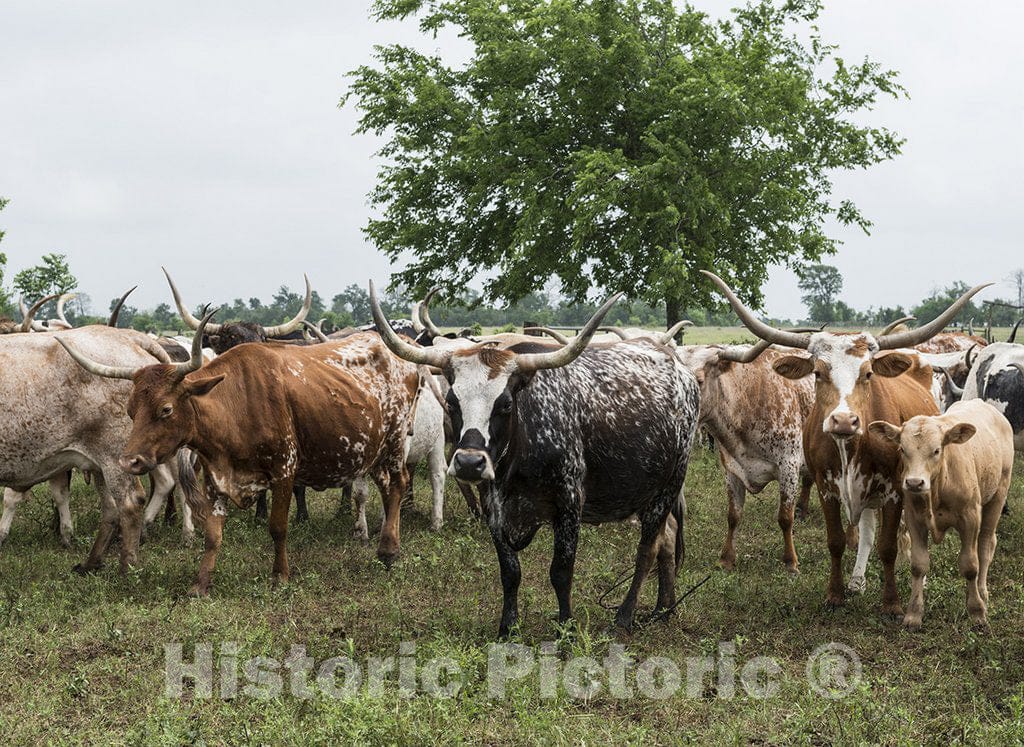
x,y
593,428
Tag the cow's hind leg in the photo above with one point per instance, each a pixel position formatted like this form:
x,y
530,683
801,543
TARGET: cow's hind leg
x,y
788,485
162,482
969,529
435,461
737,493
261,505
301,511
360,491
990,515
280,506
651,527
803,508
60,490
11,500
392,489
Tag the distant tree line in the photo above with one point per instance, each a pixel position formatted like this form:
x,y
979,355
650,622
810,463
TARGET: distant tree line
x,y
820,285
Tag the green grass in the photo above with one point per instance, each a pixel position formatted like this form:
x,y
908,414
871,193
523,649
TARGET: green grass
x,y
83,659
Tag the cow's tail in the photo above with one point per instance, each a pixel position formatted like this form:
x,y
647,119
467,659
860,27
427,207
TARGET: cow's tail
x,y
189,483
678,513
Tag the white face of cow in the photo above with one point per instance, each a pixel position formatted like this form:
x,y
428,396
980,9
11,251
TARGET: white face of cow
x,y
843,366
481,403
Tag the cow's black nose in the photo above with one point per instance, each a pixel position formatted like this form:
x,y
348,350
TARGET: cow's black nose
x,y
469,465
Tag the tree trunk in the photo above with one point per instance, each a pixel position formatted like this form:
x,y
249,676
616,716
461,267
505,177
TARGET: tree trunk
x,y
673,314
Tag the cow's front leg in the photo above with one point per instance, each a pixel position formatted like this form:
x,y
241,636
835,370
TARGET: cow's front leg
x,y
919,564
887,550
301,510
280,506
511,575
567,534
835,596
392,491
11,500
214,514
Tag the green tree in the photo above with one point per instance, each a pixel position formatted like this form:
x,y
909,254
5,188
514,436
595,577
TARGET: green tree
x,y
821,285
614,144
51,275
940,300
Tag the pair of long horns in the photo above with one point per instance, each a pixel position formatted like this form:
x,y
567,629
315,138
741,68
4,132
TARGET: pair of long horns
x,y
28,322
277,331
526,362
128,372
885,342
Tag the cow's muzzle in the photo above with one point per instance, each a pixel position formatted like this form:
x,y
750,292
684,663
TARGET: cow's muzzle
x,y
136,464
916,485
471,465
843,425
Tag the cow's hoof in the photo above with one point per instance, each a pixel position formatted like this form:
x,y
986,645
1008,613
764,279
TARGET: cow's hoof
x,y
857,585
913,625
361,534
892,613
85,570
727,564
387,558
67,540
793,569
834,602
980,626
199,591
188,538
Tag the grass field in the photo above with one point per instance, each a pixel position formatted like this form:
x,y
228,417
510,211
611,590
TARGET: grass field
x,y
83,659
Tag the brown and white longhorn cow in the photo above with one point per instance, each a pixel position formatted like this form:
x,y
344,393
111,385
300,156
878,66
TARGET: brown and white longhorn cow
x,y
267,416
858,379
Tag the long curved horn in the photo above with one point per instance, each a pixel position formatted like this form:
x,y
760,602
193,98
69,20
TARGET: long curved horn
x,y
413,353
99,369
27,324
423,312
751,353
315,330
916,336
956,390
755,325
614,330
528,362
288,327
414,316
196,361
186,315
672,331
1013,333
112,321
967,356
64,297
559,337
893,325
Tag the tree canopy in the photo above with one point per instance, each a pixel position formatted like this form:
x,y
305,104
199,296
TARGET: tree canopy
x,y
821,285
614,145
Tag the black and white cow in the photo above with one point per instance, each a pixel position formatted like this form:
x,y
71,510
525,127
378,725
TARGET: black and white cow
x,y
997,376
566,436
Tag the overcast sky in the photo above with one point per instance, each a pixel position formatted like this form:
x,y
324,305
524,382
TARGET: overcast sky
x,y
207,137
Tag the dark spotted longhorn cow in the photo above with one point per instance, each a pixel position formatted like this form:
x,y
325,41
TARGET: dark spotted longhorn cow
x,y
264,417
566,436
858,379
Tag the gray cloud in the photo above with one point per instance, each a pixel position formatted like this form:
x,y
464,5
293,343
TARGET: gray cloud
x,y
207,137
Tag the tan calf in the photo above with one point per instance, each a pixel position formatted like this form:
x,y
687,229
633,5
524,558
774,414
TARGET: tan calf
x,y
955,473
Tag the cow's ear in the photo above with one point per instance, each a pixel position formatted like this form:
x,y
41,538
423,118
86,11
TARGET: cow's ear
x,y
891,364
885,430
202,386
959,433
793,366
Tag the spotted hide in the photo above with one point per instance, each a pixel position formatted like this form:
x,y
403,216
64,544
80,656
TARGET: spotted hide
x,y
58,417
756,418
265,416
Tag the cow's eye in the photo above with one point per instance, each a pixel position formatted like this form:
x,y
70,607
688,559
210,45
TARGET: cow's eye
x,y
868,375
166,410
935,453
